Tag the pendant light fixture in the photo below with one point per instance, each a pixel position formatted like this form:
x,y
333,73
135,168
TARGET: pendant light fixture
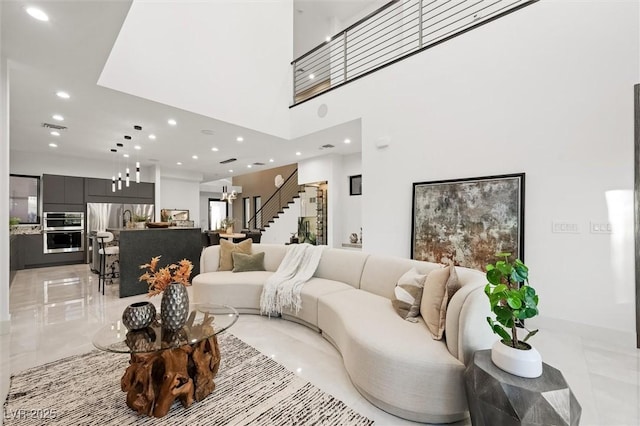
x,y
113,177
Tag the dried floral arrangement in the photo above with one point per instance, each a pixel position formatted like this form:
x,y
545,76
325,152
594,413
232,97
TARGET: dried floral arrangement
x,y
159,279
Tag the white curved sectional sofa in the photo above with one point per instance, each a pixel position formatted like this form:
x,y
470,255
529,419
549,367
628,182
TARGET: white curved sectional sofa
x,y
395,364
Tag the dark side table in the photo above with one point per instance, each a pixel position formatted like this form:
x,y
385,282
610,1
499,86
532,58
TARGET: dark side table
x,y
496,397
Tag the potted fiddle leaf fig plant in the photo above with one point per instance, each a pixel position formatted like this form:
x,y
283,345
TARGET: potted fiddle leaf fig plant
x,y
512,300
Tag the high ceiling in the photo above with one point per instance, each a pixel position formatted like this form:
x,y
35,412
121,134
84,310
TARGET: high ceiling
x,y
68,53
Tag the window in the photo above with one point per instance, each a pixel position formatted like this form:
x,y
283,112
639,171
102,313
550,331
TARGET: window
x,y
24,198
355,185
218,210
257,205
246,212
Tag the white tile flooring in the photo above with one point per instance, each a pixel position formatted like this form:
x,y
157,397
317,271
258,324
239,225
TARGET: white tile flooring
x,y
55,311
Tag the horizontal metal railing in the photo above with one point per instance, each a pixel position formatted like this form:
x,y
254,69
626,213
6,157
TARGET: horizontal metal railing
x,y
395,31
277,202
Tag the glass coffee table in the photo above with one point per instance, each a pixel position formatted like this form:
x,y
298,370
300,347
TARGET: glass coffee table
x,y
168,365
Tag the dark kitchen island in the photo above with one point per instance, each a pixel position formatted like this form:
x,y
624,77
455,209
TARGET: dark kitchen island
x,y
138,246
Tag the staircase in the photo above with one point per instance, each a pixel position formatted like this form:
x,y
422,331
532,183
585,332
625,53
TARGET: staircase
x,y
281,200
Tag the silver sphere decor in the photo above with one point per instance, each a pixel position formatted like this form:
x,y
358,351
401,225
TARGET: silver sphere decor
x,y
138,315
174,307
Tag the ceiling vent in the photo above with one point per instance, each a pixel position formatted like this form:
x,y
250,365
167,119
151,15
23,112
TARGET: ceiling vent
x,y
53,126
230,160
327,146
258,164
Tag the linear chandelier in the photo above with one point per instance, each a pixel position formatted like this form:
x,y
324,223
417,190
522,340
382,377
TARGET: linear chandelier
x,y
118,184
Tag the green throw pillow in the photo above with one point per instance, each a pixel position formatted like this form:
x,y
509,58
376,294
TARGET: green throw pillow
x,y
248,262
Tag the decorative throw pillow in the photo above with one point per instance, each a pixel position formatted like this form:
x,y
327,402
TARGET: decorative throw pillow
x,y
439,287
408,294
247,262
226,248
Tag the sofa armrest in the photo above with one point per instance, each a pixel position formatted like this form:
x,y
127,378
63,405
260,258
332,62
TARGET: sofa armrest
x,y
210,259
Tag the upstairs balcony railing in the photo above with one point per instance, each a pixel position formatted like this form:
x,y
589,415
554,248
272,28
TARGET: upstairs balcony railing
x,y
395,31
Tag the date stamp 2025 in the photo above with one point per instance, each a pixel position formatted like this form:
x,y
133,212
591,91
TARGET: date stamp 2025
x,y
30,413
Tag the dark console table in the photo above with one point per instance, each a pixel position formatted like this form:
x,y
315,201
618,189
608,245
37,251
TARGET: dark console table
x,y
138,246
498,398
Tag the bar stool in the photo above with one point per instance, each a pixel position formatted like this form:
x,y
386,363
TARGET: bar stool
x,y
104,251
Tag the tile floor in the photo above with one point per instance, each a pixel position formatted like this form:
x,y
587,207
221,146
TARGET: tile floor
x,y
55,311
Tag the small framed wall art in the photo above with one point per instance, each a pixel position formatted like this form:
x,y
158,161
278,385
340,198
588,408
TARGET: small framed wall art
x,y
355,185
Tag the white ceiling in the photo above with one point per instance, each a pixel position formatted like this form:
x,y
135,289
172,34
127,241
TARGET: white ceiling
x,y
69,52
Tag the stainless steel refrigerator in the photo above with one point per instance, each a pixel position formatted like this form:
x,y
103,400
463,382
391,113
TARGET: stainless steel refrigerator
x,y
102,216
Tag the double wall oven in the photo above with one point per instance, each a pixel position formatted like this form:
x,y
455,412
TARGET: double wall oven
x,y
63,232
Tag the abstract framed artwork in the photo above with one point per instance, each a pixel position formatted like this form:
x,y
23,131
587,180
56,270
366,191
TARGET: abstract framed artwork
x,y
468,220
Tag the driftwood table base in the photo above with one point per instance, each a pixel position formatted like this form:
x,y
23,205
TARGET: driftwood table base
x,y
154,380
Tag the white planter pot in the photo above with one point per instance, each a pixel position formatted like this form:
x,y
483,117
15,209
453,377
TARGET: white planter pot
x,y
140,225
519,362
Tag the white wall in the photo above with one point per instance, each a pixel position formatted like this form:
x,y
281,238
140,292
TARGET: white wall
x,y
350,206
4,194
327,168
279,232
181,194
547,90
235,67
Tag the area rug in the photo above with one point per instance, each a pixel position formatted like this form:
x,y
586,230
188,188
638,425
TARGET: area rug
x,y
251,389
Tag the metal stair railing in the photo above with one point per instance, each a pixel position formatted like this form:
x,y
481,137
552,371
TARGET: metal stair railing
x,y
276,204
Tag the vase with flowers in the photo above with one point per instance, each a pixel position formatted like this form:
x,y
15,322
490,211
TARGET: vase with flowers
x,y
171,281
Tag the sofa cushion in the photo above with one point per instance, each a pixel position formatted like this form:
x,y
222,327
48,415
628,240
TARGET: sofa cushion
x,y
381,273
392,360
435,298
341,265
227,247
408,294
247,262
242,291
311,291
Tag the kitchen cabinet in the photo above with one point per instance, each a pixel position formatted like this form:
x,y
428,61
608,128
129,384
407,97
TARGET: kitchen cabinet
x,y
99,191
27,251
62,189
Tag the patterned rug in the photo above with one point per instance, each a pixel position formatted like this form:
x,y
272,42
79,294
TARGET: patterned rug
x,y
250,389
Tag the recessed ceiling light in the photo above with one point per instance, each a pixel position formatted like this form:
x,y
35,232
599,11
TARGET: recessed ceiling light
x,y
271,160
63,95
152,137
179,163
230,170
125,155
311,76
328,38
195,157
57,117
347,141
53,145
248,166
172,122
137,147
214,149
37,14
298,153
54,133
239,139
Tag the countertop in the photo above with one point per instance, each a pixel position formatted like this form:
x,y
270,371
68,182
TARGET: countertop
x,y
151,229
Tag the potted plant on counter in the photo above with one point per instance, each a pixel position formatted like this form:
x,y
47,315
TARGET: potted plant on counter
x,y
140,221
512,300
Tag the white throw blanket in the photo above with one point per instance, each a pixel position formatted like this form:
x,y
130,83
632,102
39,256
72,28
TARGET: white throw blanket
x,y
282,289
